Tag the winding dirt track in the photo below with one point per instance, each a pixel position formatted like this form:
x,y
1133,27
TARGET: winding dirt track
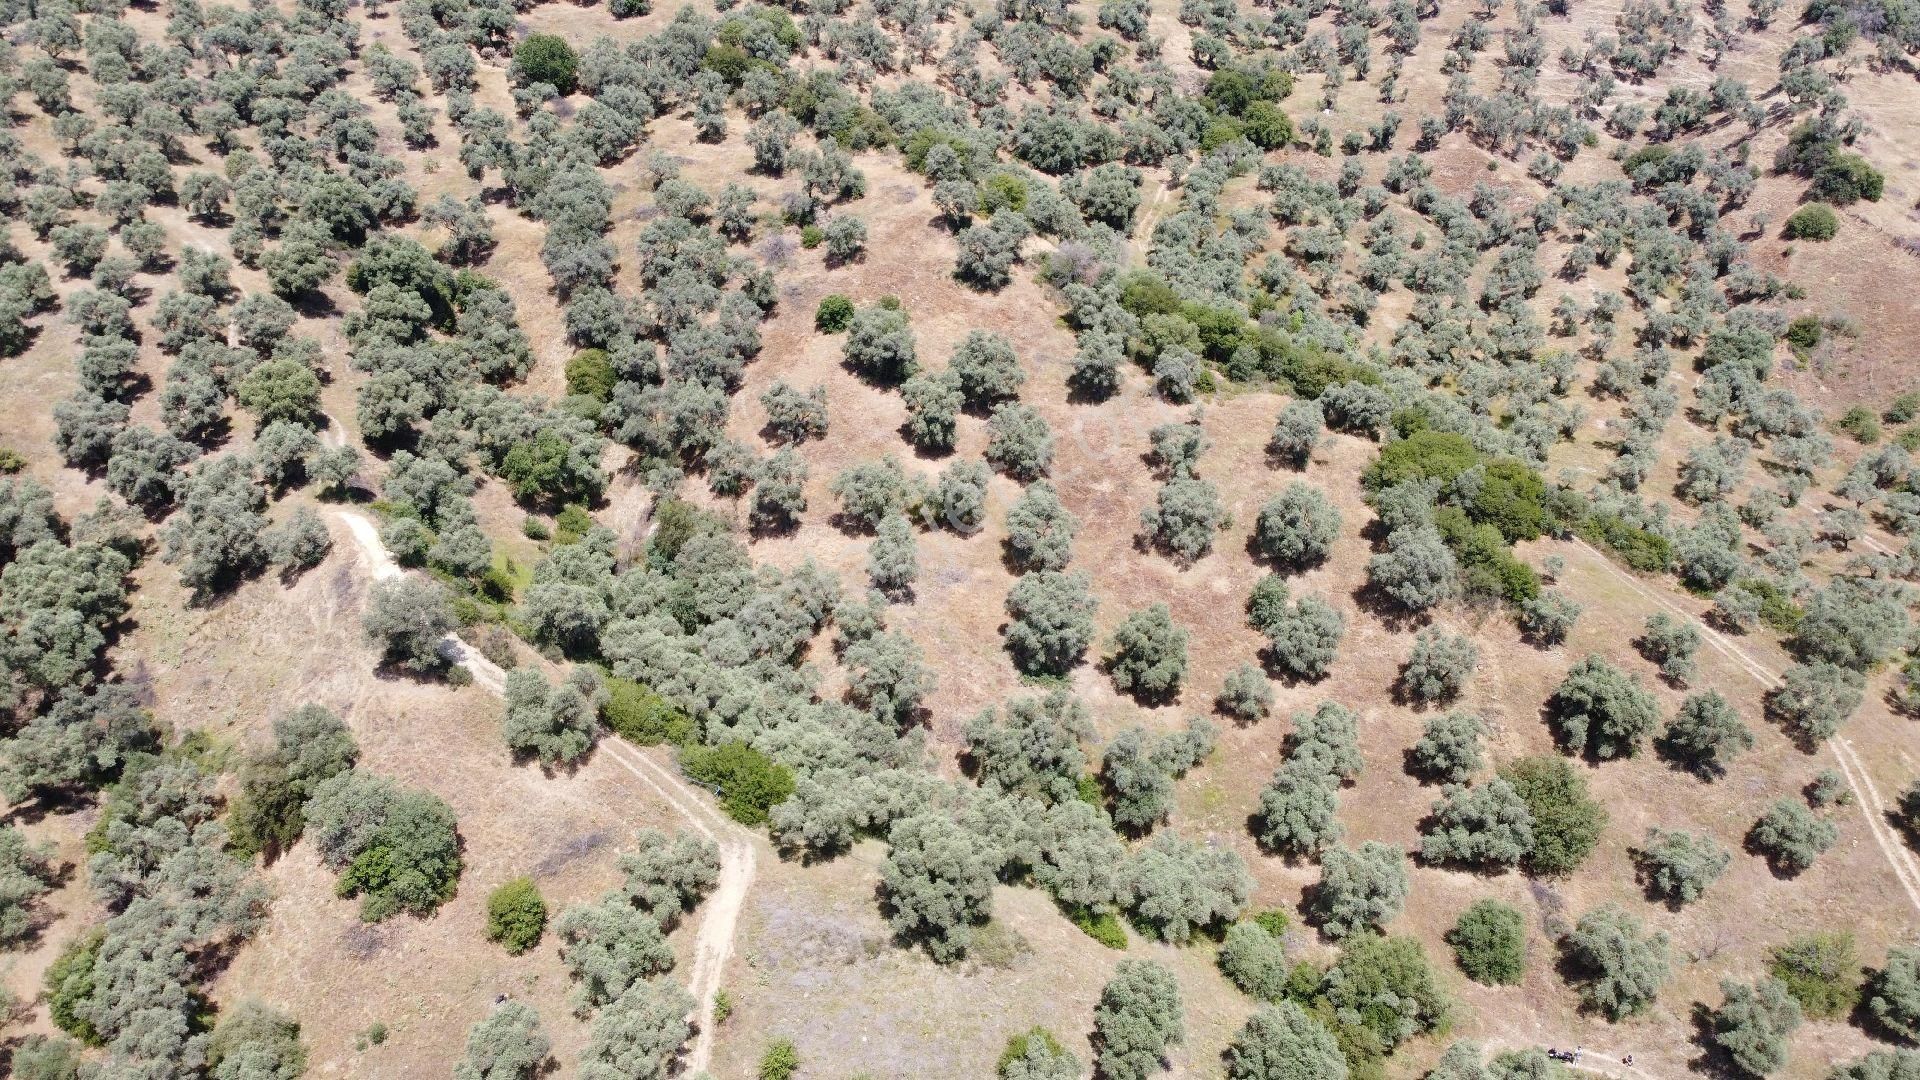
x,y
720,913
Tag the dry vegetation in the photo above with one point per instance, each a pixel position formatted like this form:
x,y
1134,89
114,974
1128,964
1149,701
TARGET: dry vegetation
x,y
815,958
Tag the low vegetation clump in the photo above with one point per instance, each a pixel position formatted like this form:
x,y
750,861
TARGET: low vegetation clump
x,y
396,848
516,915
1814,221
1299,397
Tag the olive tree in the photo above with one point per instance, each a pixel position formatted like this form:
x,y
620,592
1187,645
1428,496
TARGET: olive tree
x,y
1602,711
938,880
638,1035
1149,655
1245,694
1296,432
1754,1023
1184,519
1706,734
1303,637
1297,527
1670,643
1814,699
1439,667
987,369
1893,992
406,618
1040,529
556,724
879,345
1019,442
1359,889
1678,866
506,1044
1138,1019
933,401
893,560
1619,966
1282,1042
1174,887
1417,571
1449,748
1790,836
1050,621
1298,809
1487,826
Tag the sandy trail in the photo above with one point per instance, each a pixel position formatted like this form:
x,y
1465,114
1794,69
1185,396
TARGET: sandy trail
x,y
1865,795
720,913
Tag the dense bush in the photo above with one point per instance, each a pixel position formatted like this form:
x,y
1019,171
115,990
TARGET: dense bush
x,y
1567,822
1822,972
516,915
1814,221
398,849
546,58
748,782
1490,943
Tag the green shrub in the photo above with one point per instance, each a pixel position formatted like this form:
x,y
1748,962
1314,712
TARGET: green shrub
x,y
811,235
635,713
1490,943
1777,609
535,529
1437,455
546,58
590,373
833,314
1021,1046
1899,410
1822,972
1642,550
1102,926
749,782
1859,423
1273,920
780,1061
1805,332
70,985
516,915
1847,178
1814,221
1567,822
571,523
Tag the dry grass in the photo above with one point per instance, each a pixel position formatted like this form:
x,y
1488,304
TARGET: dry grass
x,y
814,963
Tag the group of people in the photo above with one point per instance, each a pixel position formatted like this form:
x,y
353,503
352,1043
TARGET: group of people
x,y
1572,1056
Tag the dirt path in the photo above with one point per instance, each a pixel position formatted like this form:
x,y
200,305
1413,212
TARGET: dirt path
x,y
1598,1062
1905,869
720,913
1143,233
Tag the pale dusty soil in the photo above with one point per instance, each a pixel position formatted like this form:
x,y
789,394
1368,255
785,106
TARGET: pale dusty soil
x,y
812,963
